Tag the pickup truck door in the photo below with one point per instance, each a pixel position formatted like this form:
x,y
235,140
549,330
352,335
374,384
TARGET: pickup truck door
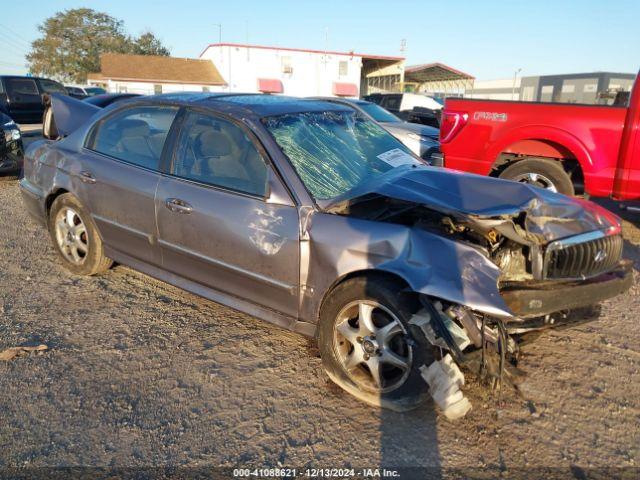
x,y
627,181
218,223
24,103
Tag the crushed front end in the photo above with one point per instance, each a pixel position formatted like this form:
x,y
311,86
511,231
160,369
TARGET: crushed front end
x,y
516,259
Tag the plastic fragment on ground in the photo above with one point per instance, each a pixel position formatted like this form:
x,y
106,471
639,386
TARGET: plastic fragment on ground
x,y
445,379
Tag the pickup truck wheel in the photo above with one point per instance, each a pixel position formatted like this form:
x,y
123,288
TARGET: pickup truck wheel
x,y
366,347
547,174
76,238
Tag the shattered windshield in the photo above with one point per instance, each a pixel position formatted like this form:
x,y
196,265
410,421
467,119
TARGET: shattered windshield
x,y
336,151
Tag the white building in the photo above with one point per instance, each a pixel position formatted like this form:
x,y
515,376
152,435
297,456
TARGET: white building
x,y
502,89
148,74
299,72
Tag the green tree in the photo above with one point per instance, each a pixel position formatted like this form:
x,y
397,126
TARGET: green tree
x,y
148,44
73,40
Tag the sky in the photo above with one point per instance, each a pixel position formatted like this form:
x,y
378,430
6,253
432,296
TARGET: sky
x,y
488,39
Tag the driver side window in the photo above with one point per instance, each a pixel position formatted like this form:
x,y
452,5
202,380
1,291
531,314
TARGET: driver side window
x,y
217,152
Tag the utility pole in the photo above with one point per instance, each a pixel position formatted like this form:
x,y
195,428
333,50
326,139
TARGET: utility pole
x,y
403,49
219,25
513,89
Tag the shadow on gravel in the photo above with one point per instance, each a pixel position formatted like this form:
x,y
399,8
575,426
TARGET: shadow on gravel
x,y
411,438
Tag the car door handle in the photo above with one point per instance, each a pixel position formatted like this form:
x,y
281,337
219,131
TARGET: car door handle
x,y
87,177
178,206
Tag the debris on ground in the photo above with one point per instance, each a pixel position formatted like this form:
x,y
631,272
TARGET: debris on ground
x,y
13,352
445,379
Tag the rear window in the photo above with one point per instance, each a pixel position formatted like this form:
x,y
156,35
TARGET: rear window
x,y
49,86
21,86
392,102
95,91
135,135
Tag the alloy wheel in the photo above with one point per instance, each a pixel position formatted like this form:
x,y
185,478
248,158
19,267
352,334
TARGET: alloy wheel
x,y
537,180
372,345
71,235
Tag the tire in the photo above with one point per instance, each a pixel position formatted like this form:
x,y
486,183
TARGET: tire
x,y
344,346
541,172
75,237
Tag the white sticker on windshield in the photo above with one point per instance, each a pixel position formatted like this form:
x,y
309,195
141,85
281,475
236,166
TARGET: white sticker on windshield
x,y
397,157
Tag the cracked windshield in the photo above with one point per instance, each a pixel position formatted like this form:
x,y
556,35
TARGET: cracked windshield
x,y
334,152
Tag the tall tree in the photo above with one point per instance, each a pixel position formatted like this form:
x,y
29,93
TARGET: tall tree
x,y
73,40
149,44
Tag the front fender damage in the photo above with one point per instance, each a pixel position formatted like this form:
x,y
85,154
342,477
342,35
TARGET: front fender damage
x,y
477,269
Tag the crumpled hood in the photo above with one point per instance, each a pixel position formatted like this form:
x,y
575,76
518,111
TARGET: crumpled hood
x,y
407,127
547,215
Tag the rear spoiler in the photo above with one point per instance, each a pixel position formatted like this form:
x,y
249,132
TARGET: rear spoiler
x,y
63,115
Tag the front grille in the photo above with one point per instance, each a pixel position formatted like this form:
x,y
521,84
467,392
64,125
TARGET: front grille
x,y
585,259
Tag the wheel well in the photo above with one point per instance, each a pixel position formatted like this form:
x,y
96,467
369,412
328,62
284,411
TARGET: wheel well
x,y
570,165
52,196
369,274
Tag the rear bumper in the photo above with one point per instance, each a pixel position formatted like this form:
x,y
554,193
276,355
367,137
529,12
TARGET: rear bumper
x,y
535,300
34,201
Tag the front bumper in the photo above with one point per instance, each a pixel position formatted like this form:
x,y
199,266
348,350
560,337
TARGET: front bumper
x,y
10,164
537,299
11,152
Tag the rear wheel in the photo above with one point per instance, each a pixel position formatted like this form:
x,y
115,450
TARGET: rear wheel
x,y
76,238
542,173
368,347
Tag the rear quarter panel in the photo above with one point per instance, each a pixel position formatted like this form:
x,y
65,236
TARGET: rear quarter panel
x,y
590,134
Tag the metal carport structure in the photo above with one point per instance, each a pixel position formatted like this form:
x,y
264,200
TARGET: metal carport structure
x,y
437,78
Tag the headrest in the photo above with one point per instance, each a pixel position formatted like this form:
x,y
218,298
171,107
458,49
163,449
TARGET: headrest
x,y
213,144
134,128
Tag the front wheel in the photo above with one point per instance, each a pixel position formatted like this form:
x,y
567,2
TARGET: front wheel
x,y
368,347
76,238
542,173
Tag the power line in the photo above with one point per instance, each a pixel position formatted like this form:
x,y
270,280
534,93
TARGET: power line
x,y
13,65
20,37
13,43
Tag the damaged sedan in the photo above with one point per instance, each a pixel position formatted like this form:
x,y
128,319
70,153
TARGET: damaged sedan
x,y
310,216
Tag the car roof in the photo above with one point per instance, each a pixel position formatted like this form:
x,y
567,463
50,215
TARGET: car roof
x,y
257,104
343,100
30,78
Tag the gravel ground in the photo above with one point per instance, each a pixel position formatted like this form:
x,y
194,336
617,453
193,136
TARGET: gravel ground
x,y
140,374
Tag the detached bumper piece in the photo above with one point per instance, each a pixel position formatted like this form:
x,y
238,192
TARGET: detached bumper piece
x,y
445,379
535,300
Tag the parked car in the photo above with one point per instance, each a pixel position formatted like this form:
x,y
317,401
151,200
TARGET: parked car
x,y
420,139
412,107
21,97
106,99
309,215
568,148
84,91
10,146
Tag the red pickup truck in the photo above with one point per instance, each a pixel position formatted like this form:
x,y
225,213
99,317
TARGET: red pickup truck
x,y
569,148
